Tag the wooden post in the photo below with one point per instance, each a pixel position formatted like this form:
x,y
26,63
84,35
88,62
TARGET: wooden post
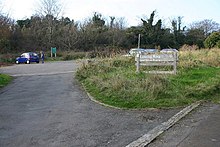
x,y
138,63
175,62
51,53
139,40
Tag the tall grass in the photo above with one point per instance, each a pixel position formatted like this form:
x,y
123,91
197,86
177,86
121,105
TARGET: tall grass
x,y
203,57
115,82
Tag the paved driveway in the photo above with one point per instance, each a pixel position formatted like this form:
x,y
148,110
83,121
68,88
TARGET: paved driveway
x,y
45,106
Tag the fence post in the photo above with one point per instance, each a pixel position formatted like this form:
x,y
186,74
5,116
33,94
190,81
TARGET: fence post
x,y
175,62
139,40
138,63
51,53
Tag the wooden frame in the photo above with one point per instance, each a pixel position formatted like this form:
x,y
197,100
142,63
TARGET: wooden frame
x,y
157,59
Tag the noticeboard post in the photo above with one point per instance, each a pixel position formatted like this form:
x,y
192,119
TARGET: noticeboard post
x,y
53,51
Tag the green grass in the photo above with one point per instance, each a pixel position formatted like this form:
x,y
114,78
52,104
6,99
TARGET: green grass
x,y
114,82
4,80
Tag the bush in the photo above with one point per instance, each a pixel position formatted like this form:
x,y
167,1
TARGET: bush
x,y
187,47
66,55
8,58
218,44
74,55
212,40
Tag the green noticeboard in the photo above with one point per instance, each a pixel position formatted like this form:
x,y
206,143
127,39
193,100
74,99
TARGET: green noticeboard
x,y
54,50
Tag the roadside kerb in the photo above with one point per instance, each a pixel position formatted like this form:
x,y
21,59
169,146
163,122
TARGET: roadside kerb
x,y
110,106
151,135
41,74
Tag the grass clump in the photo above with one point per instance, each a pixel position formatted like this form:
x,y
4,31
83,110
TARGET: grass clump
x,y
4,80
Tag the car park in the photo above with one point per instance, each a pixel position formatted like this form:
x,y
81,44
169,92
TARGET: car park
x,y
27,58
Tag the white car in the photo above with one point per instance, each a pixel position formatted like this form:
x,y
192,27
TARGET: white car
x,y
169,50
135,51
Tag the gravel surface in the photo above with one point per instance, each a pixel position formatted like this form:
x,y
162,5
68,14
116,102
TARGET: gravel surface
x,y
45,106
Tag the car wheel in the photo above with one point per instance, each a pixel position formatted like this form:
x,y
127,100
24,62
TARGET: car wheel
x,y
28,62
37,62
17,62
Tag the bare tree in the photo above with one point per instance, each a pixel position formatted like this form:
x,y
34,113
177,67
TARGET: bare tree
x,y
49,7
121,23
208,26
50,10
6,26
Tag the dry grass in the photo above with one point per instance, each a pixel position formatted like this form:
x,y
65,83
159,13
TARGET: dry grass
x,y
203,57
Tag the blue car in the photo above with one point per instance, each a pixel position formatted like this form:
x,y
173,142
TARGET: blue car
x,y
27,58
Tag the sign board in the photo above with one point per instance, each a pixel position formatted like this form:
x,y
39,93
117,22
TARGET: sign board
x,y
157,59
53,51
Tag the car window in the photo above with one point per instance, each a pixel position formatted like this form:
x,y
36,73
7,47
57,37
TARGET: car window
x,y
27,55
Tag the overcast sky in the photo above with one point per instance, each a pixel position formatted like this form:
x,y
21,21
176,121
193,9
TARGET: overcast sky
x,y
131,10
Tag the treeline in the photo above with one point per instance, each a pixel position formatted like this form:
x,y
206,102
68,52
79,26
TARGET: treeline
x,y
98,33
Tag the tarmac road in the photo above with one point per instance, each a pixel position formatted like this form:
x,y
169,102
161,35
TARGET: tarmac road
x,y
201,128
45,106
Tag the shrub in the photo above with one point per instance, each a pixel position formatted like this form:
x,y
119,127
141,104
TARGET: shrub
x,y
74,55
187,47
218,44
7,58
212,40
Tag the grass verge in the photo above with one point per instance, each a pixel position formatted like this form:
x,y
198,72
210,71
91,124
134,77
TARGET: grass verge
x,y
114,82
4,80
